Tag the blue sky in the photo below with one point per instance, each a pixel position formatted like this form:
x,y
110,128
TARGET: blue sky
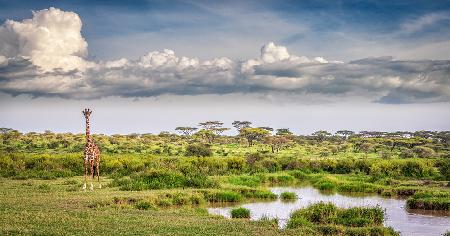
x,y
327,28
326,56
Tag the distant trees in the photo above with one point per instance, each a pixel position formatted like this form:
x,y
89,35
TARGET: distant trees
x,y
199,150
241,124
277,142
266,128
213,126
253,134
345,133
207,135
424,144
283,131
321,135
186,131
210,125
211,129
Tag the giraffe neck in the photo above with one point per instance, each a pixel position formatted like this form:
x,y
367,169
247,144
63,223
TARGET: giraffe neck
x,y
88,131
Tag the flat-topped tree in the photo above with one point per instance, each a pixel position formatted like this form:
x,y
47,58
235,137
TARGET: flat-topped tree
x,y
345,133
241,124
283,131
186,131
209,125
253,134
211,129
277,142
266,128
321,135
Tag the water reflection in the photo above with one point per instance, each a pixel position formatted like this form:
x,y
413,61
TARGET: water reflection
x,y
406,221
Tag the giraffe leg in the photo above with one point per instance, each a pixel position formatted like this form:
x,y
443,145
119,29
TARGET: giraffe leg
x,y
98,172
85,174
92,175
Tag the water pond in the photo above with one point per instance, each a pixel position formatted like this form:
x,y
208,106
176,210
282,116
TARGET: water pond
x,y
408,222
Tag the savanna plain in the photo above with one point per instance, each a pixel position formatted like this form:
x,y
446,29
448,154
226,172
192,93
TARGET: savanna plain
x,y
163,184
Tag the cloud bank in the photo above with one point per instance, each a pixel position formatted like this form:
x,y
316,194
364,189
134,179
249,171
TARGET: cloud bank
x,y
47,56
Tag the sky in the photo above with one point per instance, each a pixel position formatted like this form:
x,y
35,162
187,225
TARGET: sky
x,y
150,66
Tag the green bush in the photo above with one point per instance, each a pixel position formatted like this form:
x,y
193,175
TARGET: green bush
x,y
327,214
361,216
423,152
406,153
444,168
198,150
428,200
326,185
298,222
320,213
144,205
288,196
240,213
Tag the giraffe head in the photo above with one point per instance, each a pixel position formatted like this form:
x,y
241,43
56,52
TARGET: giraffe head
x,y
87,112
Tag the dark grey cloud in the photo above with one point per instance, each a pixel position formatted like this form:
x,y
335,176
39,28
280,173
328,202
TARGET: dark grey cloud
x,y
32,63
385,80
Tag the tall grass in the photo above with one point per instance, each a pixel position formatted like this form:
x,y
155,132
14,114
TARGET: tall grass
x,y
288,196
240,213
49,166
327,213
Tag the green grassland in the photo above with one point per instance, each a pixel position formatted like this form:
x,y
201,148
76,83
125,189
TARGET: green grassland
x,y
162,184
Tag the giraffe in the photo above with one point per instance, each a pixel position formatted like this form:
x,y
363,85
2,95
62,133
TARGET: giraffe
x,y
91,154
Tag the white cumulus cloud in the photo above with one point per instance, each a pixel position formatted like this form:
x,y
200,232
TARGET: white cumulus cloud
x,y
51,39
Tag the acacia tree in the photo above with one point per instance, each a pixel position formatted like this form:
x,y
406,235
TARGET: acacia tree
x,y
208,135
241,124
209,125
253,134
266,128
283,131
211,129
345,133
186,131
321,135
277,142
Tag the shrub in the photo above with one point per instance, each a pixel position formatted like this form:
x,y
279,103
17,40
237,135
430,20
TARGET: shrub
x,y
334,149
321,213
196,199
406,153
235,163
252,158
327,215
436,200
298,222
240,213
423,152
271,165
151,179
199,150
361,216
280,178
287,196
385,154
444,168
144,205
326,185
